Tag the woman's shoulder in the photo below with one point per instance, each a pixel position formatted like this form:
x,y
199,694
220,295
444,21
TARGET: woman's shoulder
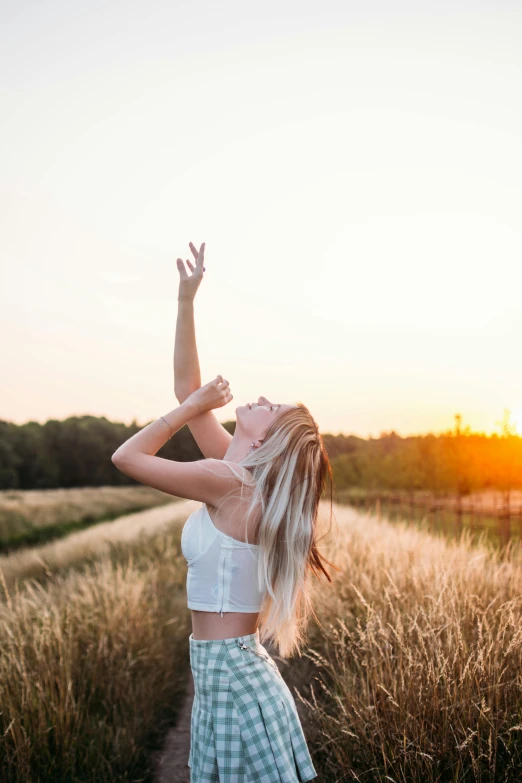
x,y
229,469
234,515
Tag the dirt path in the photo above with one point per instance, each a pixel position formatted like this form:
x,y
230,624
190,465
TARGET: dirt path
x,y
172,763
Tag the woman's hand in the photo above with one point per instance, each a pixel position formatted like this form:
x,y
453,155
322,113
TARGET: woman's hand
x,y
189,284
213,395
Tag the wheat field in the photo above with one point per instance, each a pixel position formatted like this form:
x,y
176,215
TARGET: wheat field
x,y
416,669
93,649
412,670
31,517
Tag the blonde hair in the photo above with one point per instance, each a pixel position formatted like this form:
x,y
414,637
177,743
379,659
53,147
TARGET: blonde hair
x,y
288,473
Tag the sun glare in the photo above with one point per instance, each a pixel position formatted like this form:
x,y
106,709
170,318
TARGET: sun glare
x,y
517,421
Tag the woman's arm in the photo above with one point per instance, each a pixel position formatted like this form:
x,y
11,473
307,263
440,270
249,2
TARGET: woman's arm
x,y
187,374
212,438
137,456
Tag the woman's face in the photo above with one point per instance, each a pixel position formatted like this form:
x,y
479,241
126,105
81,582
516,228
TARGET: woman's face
x,y
255,418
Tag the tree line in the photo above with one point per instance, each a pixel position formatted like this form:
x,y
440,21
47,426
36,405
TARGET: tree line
x,y
458,461
76,452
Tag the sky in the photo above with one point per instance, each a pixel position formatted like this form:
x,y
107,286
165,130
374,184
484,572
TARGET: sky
x,y
355,170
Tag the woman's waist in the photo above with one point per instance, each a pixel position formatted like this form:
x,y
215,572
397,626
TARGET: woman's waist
x,y
211,626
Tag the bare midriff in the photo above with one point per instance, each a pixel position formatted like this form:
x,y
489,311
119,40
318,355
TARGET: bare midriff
x,y
210,625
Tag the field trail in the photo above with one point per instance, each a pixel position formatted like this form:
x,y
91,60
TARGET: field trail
x,y
172,761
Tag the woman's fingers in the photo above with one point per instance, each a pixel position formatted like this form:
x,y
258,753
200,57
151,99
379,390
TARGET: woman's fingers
x,y
223,388
181,268
198,255
192,268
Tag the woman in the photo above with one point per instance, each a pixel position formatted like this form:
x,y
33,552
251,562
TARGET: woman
x,y
250,548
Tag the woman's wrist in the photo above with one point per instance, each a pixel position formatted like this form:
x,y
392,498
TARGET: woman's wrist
x,y
191,408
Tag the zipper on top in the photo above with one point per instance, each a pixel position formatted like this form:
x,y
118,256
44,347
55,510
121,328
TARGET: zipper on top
x,y
223,581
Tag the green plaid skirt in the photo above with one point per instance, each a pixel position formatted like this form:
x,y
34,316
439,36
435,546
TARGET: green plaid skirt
x,y
244,724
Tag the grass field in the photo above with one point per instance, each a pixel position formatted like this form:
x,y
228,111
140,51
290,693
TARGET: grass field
x,y
106,538
414,673
417,666
33,517
481,512
93,664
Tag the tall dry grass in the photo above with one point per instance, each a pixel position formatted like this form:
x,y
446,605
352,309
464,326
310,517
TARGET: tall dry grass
x,y
419,658
94,542
415,670
91,666
30,517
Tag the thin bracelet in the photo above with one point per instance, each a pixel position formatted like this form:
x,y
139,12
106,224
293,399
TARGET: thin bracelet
x,y
168,425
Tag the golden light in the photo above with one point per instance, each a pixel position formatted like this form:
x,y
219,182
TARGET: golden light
x,y
517,421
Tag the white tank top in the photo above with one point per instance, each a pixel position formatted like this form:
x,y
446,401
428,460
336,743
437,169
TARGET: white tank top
x,y
222,571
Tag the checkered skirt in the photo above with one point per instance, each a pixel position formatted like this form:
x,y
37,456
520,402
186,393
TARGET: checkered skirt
x,y
244,724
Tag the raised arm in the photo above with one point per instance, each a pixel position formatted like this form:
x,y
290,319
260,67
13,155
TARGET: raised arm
x,y
187,375
210,435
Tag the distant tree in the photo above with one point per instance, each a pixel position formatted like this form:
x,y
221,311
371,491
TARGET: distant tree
x,y
507,459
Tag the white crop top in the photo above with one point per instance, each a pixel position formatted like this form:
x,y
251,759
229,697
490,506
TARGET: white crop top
x,y
222,571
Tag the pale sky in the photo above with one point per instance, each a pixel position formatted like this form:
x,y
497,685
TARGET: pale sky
x,y
355,170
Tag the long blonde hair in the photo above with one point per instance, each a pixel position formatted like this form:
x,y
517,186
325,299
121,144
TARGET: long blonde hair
x,y
288,473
